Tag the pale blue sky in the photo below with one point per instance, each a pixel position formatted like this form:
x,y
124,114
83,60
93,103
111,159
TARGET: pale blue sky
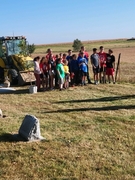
x,y
56,21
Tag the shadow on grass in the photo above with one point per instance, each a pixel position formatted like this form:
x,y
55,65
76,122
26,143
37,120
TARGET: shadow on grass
x,y
19,91
104,99
6,137
107,108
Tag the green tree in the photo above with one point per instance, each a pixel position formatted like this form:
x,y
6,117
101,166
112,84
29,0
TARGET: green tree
x,y
31,48
77,45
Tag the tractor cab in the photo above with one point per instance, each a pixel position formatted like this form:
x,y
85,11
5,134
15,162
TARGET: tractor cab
x,y
15,61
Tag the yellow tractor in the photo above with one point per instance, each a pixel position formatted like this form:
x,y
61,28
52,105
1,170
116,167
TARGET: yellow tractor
x,y
15,61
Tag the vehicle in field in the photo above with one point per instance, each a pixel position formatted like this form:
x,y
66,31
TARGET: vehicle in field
x,y
15,61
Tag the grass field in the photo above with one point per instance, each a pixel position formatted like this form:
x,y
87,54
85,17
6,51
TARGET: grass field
x,y
89,131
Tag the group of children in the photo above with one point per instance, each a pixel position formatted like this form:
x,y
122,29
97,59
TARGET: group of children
x,y
70,70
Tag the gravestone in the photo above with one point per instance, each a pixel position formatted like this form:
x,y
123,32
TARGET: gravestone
x,y
30,129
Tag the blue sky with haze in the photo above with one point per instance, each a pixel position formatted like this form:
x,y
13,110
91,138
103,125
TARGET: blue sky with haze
x,y
56,21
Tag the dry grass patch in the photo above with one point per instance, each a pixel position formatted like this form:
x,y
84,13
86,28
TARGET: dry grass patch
x,y
89,132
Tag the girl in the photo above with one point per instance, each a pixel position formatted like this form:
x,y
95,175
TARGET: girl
x,y
37,71
42,72
52,65
46,71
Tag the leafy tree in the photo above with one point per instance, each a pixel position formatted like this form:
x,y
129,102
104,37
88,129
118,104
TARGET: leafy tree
x,y
31,48
77,45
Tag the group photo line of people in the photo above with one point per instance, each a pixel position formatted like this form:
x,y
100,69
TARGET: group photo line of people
x,y
62,71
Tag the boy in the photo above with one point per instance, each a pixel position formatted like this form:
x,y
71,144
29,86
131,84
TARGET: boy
x,y
60,73
102,57
95,64
110,65
83,68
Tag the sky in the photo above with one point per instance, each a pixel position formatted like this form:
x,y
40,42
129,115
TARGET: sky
x,y
58,21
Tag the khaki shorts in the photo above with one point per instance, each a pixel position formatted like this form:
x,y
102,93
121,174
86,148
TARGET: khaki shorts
x,y
61,80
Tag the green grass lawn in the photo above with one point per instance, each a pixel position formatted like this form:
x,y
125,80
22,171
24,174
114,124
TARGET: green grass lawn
x,y
89,131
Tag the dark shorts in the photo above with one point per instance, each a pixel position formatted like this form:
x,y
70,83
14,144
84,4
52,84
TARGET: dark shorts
x,y
102,69
66,77
83,73
41,76
45,74
96,70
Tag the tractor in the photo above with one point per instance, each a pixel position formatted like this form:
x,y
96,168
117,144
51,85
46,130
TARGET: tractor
x,y
15,62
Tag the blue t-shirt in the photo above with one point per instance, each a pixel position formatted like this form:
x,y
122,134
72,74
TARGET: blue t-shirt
x,y
83,66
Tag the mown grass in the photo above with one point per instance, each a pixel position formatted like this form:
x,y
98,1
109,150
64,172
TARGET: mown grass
x,y
89,134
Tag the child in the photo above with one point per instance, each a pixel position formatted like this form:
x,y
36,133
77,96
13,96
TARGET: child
x,y
52,65
66,70
37,71
60,73
102,57
46,72
83,68
95,64
110,65
42,73
74,68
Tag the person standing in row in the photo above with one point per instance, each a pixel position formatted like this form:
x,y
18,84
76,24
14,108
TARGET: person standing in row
x,y
102,57
110,66
74,70
95,65
86,56
60,73
37,71
83,68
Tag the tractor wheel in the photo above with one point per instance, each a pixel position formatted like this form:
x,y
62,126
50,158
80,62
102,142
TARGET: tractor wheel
x,y
13,76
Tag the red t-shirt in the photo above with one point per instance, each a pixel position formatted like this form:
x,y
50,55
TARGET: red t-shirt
x,y
85,54
44,67
47,56
102,57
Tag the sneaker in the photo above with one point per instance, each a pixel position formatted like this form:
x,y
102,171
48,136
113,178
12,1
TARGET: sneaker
x,y
90,82
114,82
